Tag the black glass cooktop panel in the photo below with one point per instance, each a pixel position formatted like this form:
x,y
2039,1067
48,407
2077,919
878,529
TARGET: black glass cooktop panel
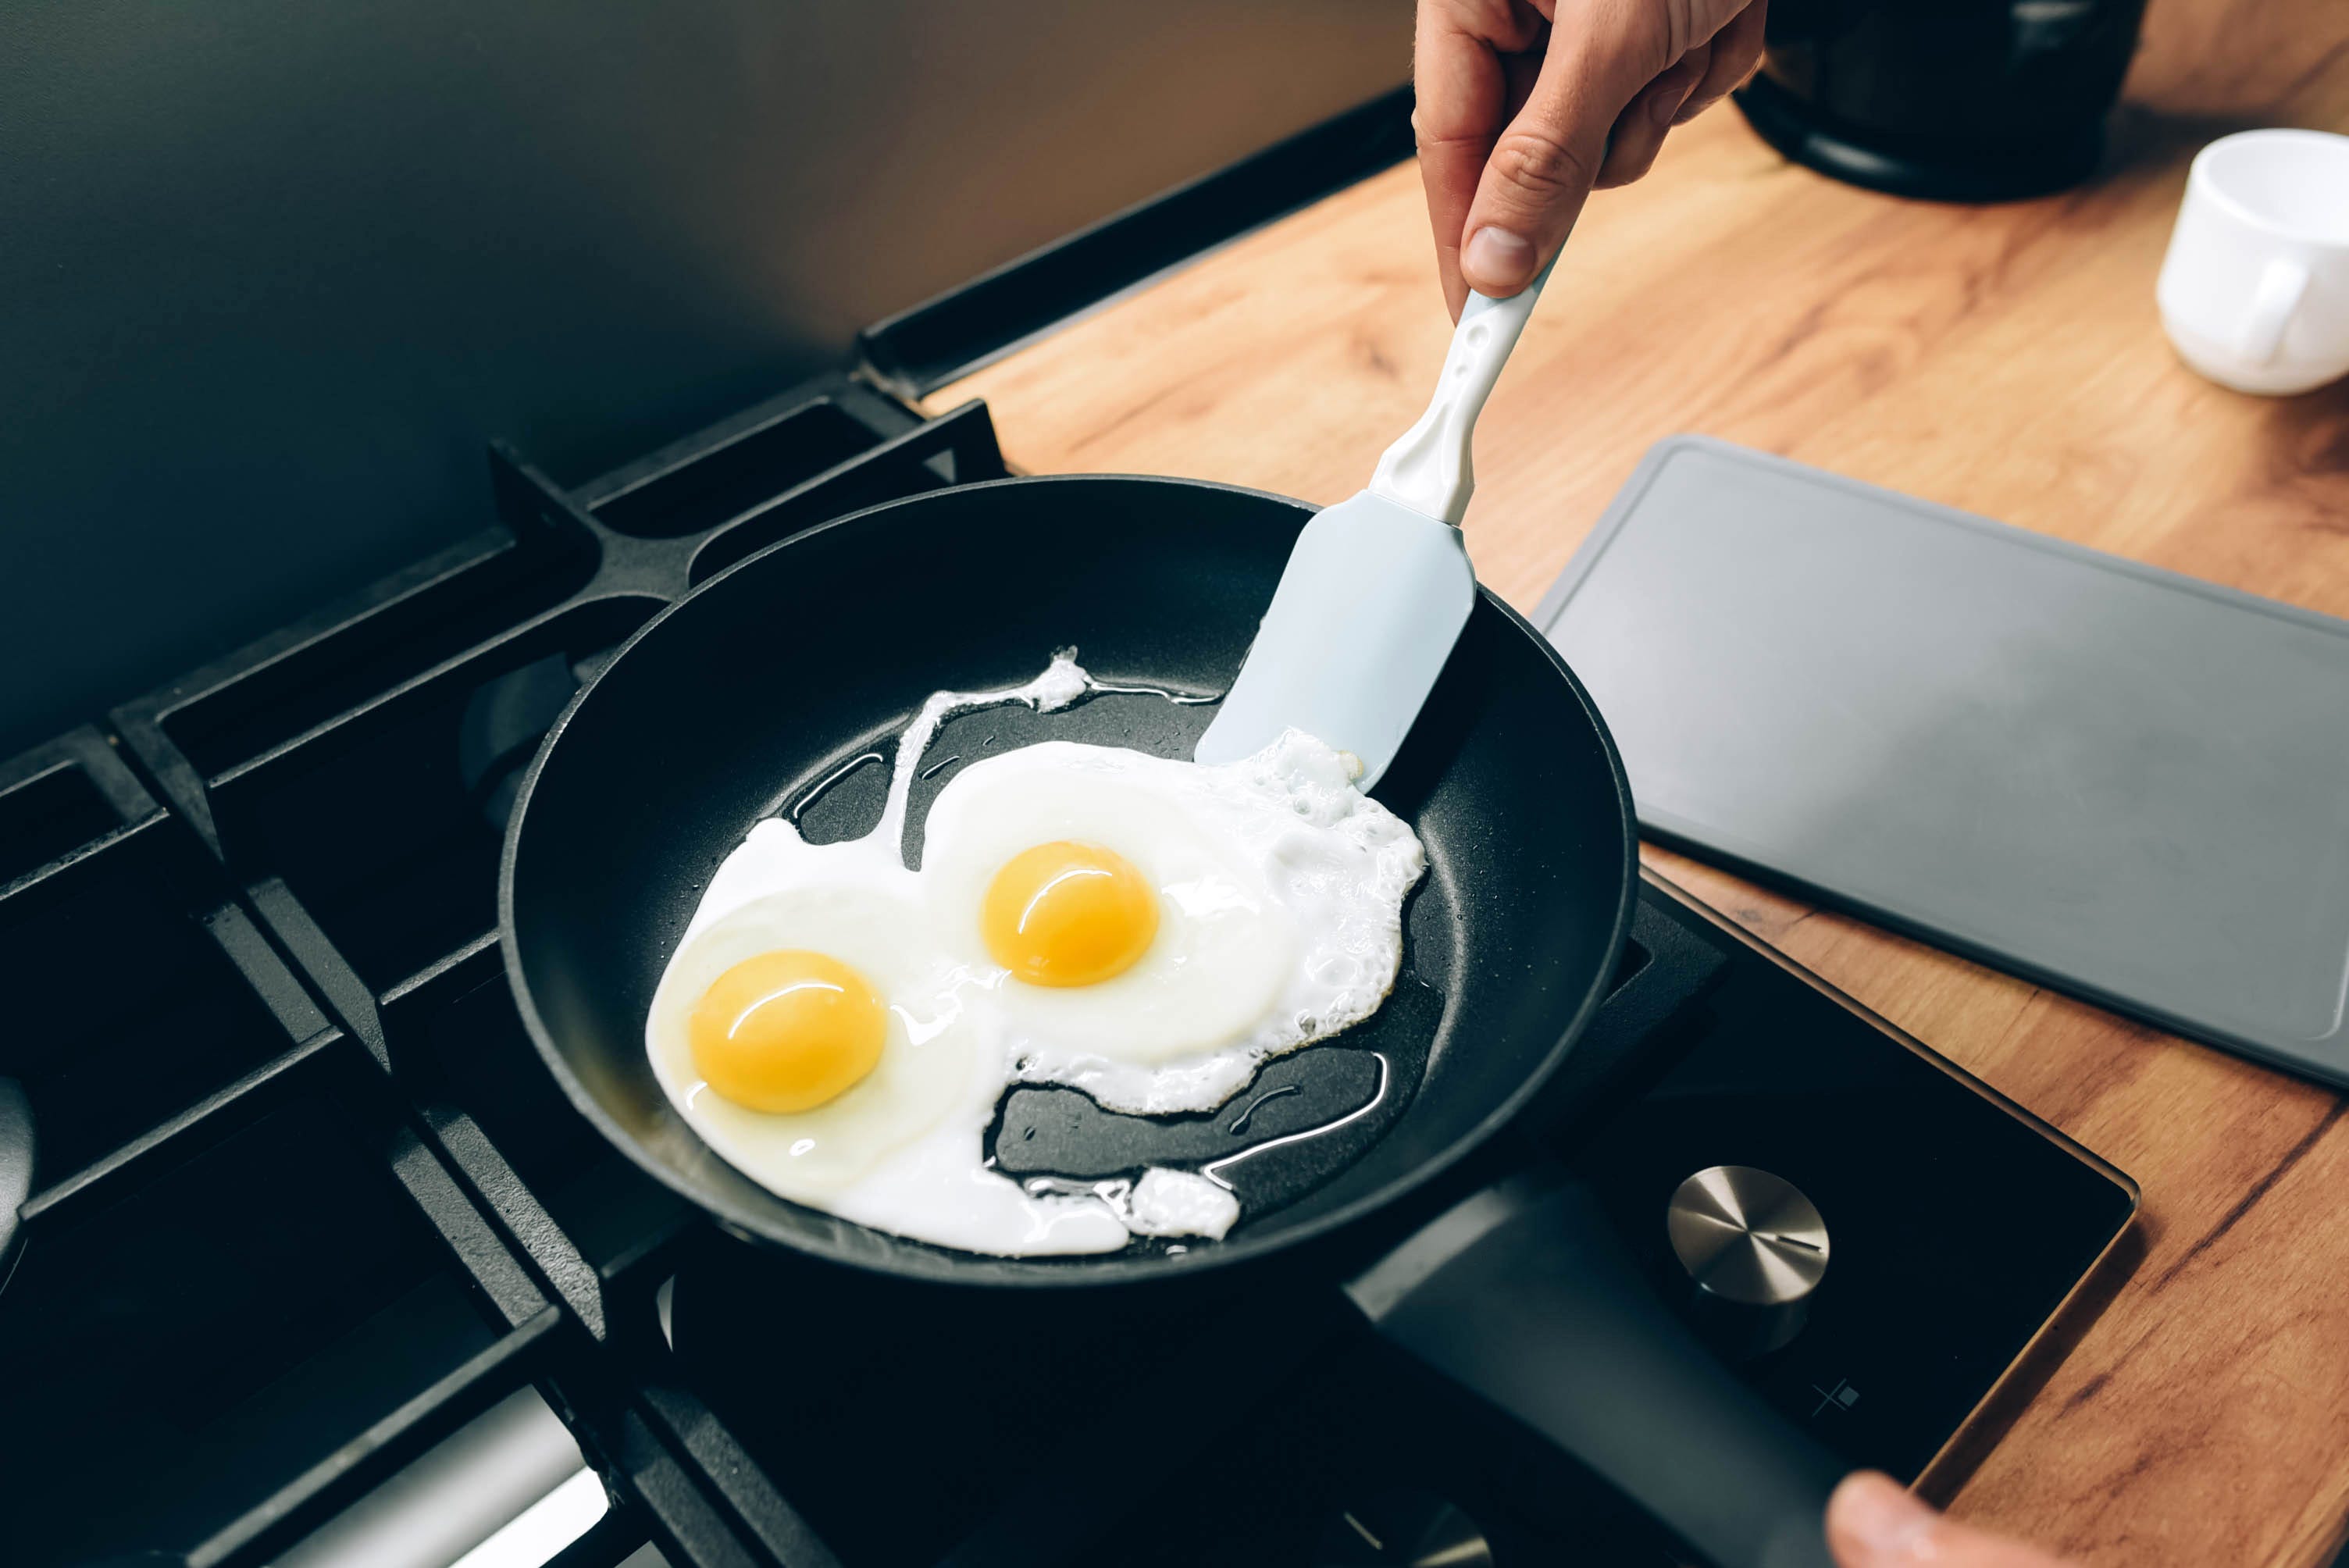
x,y
1956,1226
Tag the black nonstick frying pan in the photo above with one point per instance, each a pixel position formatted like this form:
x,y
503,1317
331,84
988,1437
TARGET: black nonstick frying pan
x,y
758,692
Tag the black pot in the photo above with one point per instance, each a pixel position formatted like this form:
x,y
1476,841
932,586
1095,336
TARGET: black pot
x,y
1958,101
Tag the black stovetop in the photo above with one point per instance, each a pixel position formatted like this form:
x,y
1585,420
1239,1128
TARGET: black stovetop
x,y
305,1204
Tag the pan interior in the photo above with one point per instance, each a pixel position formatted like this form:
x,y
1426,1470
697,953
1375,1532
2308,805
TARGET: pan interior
x,y
774,677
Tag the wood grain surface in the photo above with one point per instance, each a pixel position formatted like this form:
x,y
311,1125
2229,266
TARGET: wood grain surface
x,y
2006,360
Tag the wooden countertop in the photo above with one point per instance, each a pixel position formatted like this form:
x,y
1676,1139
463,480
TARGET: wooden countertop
x,y
2005,360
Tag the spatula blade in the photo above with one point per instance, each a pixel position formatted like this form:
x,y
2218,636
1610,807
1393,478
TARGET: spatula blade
x,y
1374,598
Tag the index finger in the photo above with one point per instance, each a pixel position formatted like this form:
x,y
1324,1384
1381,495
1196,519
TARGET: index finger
x,y
1462,101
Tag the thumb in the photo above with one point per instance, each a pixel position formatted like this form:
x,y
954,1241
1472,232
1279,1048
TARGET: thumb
x,y
1873,1523
1546,159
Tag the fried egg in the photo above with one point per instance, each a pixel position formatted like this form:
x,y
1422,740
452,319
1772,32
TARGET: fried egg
x,y
840,1028
1257,906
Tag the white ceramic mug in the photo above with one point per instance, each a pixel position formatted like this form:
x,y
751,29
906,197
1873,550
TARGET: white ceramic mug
x,y
2255,290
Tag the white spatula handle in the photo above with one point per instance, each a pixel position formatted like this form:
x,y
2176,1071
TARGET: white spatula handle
x,y
1430,469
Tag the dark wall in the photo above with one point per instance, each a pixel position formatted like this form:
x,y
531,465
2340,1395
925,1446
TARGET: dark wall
x,y
272,270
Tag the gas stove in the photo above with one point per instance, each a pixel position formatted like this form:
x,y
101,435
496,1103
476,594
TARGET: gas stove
x,y
312,1256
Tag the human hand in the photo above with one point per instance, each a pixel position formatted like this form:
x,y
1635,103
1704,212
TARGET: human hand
x,y
1526,106
1873,1523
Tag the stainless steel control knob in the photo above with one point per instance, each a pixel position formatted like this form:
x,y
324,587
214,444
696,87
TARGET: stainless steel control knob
x,y
1755,1249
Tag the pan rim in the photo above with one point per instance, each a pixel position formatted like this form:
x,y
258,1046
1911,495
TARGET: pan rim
x,y
1107,1270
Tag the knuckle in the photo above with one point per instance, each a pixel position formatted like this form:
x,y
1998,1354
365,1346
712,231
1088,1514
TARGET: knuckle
x,y
1432,137
1680,27
1542,166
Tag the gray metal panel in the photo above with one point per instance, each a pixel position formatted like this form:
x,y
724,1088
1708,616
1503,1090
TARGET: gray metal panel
x,y
2125,783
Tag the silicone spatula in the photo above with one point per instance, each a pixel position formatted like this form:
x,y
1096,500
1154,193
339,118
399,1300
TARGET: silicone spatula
x,y
1378,588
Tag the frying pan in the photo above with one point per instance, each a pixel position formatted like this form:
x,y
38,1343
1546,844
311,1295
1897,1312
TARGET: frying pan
x,y
761,691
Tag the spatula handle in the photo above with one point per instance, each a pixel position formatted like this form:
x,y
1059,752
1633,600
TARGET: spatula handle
x,y
1429,470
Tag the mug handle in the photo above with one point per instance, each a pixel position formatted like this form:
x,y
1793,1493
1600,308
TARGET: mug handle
x,y
2280,288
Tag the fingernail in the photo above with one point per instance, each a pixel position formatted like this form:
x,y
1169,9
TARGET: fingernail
x,y
1878,1514
1495,259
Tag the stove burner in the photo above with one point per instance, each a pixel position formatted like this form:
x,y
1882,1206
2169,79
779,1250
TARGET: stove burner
x,y
1405,1527
504,722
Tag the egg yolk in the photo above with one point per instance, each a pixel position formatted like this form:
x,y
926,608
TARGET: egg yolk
x,y
787,1031
1068,915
